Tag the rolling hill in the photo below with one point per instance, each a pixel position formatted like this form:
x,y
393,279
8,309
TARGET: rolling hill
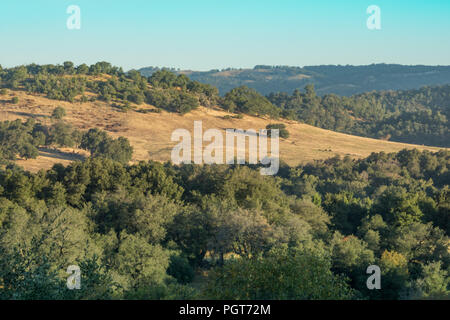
x,y
150,133
342,80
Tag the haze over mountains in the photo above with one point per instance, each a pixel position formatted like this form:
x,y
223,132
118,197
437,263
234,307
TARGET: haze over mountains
x,y
342,80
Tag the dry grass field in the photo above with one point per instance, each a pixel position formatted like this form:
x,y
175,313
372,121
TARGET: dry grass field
x,y
150,133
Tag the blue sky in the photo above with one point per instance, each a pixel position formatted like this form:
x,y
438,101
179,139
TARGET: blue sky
x,y
210,34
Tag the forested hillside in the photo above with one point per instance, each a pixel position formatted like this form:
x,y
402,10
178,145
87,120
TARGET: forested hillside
x,y
158,231
414,116
342,80
104,82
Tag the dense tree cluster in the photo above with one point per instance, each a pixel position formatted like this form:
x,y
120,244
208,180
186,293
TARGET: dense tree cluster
x,y
101,145
56,87
413,116
23,139
19,139
66,82
144,231
246,100
172,100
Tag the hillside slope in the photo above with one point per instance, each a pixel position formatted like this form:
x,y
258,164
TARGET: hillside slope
x,y
150,133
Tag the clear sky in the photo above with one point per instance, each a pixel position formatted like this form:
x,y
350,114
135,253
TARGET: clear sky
x,y
210,34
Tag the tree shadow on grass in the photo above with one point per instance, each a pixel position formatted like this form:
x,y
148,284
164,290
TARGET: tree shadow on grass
x,y
31,115
58,154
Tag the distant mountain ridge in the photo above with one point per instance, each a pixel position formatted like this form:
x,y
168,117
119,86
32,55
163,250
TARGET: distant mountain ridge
x,y
342,80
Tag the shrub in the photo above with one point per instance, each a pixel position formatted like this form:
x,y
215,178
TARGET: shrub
x,y
180,269
100,145
62,135
58,113
282,130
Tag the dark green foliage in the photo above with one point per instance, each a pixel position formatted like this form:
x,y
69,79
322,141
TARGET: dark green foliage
x,y
140,263
58,113
30,276
246,100
397,207
414,116
62,135
24,139
100,145
164,79
282,131
18,139
56,87
172,100
148,230
180,269
104,67
280,275
92,139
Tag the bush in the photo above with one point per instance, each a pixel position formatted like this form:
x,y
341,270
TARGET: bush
x,y
18,138
183,103
180,269
15,100
100,145
282,130
58,113
62,135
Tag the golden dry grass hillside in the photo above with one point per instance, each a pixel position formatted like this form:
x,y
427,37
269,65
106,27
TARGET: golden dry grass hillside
x,y
150,133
